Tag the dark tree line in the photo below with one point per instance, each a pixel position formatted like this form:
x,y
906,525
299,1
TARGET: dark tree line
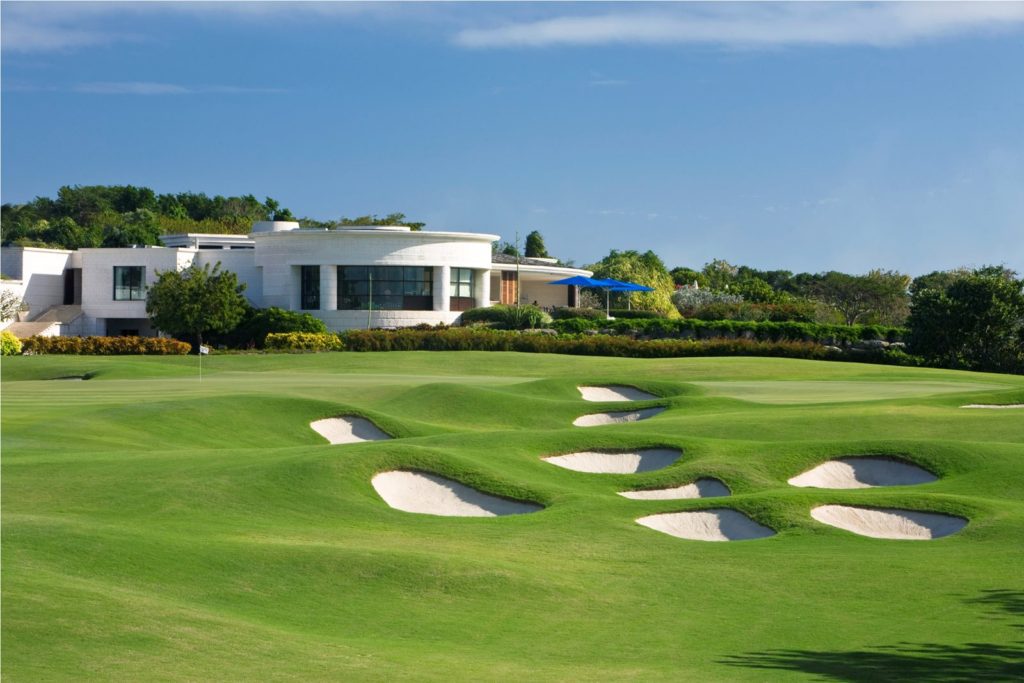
x,y
123,215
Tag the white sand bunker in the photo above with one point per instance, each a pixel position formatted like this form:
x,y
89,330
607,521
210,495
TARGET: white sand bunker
x,y
702,488
862,473
889,522
598,419
597,462
615,392
429,494
994,406
348,430
707,525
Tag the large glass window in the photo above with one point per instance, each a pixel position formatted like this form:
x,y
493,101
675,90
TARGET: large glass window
x,y
462,289
310,300
389,288
129,283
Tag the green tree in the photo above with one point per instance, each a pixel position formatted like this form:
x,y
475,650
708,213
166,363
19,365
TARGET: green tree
x,y
194,301
975,322
373,219
684,276
535,246
137,227
644,269
878,297
720,275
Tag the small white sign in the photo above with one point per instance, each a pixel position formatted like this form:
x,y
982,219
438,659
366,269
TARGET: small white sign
x,y
204,349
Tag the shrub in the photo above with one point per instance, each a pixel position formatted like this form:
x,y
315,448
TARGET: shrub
x,y
106,346
484,314
576,325
509,317
259,322
304,341
633,314
9,344
566,313
482,339
689,301
688,328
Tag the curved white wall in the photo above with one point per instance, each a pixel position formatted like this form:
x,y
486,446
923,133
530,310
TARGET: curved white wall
x,y
279,255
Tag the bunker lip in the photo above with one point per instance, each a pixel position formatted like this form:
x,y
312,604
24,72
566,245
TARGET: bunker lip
x,y
994,406
862,472
889,523
607,393
348,429
431,494
618,417
715,524
704,487
616,462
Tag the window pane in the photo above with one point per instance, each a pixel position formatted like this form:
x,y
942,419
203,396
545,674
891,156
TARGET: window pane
x,y
129,283
310,288
392,287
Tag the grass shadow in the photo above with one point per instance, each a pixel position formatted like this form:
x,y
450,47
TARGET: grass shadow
x,y
910,661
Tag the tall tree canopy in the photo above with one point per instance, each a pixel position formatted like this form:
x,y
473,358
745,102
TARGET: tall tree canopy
x,y
535,246
645,269
879,297
972,319
194,301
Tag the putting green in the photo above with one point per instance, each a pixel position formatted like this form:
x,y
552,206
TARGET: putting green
x,y
159,527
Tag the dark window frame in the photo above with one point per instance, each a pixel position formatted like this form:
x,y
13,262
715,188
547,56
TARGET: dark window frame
x,y
395,288
135,290
462,282
309,288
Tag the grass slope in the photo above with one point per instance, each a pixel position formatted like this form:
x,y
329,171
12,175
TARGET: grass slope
x,y
159,528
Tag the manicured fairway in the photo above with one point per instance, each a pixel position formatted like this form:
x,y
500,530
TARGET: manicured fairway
x,y
159,528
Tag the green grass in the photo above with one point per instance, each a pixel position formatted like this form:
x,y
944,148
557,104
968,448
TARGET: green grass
x,y
159,528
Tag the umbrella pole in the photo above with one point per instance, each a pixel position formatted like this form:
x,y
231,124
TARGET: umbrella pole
x,y
608,303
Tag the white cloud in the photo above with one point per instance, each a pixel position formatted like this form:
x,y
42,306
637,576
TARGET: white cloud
x,y
752,25
64,26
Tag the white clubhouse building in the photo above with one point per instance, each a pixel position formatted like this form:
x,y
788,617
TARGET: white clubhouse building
x,y
350,277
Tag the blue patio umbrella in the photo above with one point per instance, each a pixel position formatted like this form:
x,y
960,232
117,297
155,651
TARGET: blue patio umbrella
x,y
618,286
578,281
630,287
607,285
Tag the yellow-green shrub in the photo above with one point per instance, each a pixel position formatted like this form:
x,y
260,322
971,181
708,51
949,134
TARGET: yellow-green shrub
x,y
304,341
9,344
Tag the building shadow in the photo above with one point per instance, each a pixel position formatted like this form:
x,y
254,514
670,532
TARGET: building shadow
x,y
930,662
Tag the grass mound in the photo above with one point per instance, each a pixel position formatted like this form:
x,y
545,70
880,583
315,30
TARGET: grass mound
x,y
156,526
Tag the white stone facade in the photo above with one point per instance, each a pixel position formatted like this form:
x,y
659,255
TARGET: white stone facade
x,y
77,287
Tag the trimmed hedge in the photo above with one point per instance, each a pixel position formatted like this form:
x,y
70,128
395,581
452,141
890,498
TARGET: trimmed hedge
x,y
566,313
304,341
482,339
106,346
689,328
633,314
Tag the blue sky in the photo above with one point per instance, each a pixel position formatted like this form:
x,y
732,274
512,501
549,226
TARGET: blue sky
x,y
803,136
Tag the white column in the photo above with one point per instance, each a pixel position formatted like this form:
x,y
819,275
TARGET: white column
x,y
295,291
328,288
442,288
482,287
